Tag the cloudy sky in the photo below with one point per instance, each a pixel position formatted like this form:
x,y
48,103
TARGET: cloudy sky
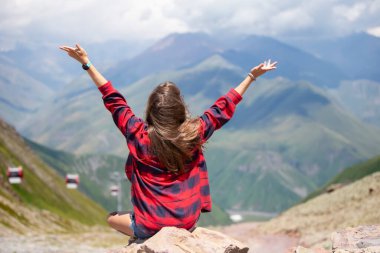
x,y
34,21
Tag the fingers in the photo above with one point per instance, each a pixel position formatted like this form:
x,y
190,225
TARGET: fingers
x,y
62,48
268,65
69,50
273,65
66,47
79,47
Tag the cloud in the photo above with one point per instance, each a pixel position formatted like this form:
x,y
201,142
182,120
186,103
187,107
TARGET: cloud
x,y
375,31
35,21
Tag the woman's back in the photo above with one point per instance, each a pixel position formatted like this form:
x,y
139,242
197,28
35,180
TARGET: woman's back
x,y
162,197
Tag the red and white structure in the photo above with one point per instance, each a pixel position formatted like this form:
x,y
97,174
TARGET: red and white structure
x,y
15,175
114,190
72,181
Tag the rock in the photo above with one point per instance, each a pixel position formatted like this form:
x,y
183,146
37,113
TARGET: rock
x,y
177,240
363,239
334,187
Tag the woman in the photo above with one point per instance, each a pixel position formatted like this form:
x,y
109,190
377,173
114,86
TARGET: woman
x,y
165,165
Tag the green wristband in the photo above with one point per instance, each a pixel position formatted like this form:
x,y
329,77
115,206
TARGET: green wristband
x,y
87,65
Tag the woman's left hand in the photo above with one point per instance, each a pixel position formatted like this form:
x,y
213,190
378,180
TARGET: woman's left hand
x,y
77,52
263,68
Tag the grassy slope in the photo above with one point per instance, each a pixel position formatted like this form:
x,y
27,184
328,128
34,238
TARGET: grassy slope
x,y
42,188
94,172
350,174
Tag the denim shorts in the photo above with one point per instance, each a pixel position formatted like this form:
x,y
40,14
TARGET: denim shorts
x,y
140,234
136,231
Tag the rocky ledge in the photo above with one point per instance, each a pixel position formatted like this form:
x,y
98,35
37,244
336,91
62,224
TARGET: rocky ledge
x,y
176,240
362,239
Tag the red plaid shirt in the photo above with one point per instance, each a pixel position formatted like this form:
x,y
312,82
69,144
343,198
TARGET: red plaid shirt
x,y
161,198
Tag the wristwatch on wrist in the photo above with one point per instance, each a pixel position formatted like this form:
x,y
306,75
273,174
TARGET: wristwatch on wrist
x,y
87,65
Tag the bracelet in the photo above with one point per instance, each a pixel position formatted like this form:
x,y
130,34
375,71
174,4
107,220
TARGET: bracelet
x,y
252,76
87,65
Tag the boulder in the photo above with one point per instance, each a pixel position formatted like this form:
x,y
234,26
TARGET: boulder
x,y
177,240
363,239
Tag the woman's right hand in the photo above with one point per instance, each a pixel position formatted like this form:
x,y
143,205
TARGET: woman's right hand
x,y
263,68
77,52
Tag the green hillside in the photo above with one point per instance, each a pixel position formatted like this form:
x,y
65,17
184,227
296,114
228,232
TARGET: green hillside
x,y
350,175
358,171
42,195
94,171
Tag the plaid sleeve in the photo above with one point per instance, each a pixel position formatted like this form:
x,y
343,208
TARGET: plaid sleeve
x,y
219,113
120,110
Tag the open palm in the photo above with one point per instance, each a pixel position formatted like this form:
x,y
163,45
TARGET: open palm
x,y
263,68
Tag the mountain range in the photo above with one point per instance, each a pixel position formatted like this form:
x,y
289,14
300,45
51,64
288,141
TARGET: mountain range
x,y
293,131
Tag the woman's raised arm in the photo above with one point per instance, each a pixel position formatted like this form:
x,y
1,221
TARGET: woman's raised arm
x,y
79,54
114,101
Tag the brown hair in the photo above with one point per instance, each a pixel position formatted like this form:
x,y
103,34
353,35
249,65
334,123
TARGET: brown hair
x,y
173,134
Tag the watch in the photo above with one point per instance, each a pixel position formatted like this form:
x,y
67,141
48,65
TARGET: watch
x,y
86,66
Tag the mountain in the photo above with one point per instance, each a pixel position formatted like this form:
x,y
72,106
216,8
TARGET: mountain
x,y
48,64
293,63
21,95
65,123
173,52
97,175
43,62
178,51
356,54
361,97
286,139
41,202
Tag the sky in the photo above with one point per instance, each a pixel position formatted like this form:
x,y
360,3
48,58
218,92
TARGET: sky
x,y
96,21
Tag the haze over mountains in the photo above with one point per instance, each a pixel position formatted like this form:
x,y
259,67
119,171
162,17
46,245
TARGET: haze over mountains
x,y
294,130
